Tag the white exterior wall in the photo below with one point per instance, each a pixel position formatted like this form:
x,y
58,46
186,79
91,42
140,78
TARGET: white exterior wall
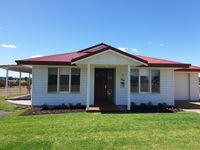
x,y
41,96
194,86
186,86
40,93
166,91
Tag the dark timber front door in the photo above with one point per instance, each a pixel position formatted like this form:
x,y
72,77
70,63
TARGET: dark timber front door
x,y
104,86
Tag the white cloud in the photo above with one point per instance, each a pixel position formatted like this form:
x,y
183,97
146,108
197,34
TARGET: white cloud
x,y
34,56
162,44
8,46
123,49
135,50
150,43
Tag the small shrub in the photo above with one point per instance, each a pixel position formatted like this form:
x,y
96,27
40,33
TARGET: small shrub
x,y
78,105
149,104
69,106
45,107
162,106
133,105
143,106
165,105
63,106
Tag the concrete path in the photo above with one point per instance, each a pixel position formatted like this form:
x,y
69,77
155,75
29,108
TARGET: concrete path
x,y
4,113
20,102
192,110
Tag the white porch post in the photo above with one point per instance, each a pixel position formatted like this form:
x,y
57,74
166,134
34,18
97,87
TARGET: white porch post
x,y
129,87
20,88
29,83
88,87
6,86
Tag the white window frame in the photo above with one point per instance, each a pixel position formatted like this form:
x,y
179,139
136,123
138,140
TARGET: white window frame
x,y
139,84
58,82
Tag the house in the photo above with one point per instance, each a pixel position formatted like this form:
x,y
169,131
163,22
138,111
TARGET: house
x,y
104,75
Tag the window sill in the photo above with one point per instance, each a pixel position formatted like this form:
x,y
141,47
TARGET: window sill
x,y
146,93
63,92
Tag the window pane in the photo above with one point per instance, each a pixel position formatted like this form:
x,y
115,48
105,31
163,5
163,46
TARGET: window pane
x,y
64,79
75,80
134,80
155,81
144,80
52,79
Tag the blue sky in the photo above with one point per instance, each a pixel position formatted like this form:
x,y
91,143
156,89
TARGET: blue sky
x,y
164,29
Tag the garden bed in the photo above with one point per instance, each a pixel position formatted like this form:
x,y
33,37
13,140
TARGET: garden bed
x,y
40,111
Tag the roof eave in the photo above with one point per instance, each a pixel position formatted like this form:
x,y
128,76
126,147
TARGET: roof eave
x,y
21,62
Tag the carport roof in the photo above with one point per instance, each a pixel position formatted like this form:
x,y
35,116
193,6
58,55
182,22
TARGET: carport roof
x,y
18,68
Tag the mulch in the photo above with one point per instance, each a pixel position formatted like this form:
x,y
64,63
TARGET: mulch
x,y
39,111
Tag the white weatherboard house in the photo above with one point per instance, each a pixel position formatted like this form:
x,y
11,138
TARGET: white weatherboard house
x,y
106,75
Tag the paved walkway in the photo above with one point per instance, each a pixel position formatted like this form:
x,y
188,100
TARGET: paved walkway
x,y
4,113
192,110
188,106
20,102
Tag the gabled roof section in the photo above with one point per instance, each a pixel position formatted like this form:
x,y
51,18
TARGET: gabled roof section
x,y
104,47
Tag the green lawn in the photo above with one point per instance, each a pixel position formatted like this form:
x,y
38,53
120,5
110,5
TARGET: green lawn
x,y
101,131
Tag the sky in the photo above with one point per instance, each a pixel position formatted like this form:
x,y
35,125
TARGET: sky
x,y
165,29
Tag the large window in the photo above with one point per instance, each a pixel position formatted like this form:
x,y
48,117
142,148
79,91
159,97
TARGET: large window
x,y
52,79
75,80
63,80
145,81
135,80
155,81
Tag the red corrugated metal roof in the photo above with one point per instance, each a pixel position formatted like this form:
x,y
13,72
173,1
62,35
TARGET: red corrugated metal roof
x,y
156,62
191,68
68,58
59,59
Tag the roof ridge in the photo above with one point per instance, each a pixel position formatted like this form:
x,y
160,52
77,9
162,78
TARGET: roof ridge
x,y
85,49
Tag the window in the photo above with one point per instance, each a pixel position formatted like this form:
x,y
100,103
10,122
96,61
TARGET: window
x,y
155,81
64,79
135,80
144,80
59,79
75,80
52,79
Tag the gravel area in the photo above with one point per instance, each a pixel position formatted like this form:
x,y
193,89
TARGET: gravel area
x,y
4,113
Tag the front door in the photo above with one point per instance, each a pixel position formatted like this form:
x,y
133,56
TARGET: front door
x,y
104,86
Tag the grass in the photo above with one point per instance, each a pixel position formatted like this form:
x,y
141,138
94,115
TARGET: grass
x,y
4,105
101,131
172,131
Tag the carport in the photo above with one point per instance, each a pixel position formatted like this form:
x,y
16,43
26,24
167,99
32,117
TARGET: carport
x,y
17,68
